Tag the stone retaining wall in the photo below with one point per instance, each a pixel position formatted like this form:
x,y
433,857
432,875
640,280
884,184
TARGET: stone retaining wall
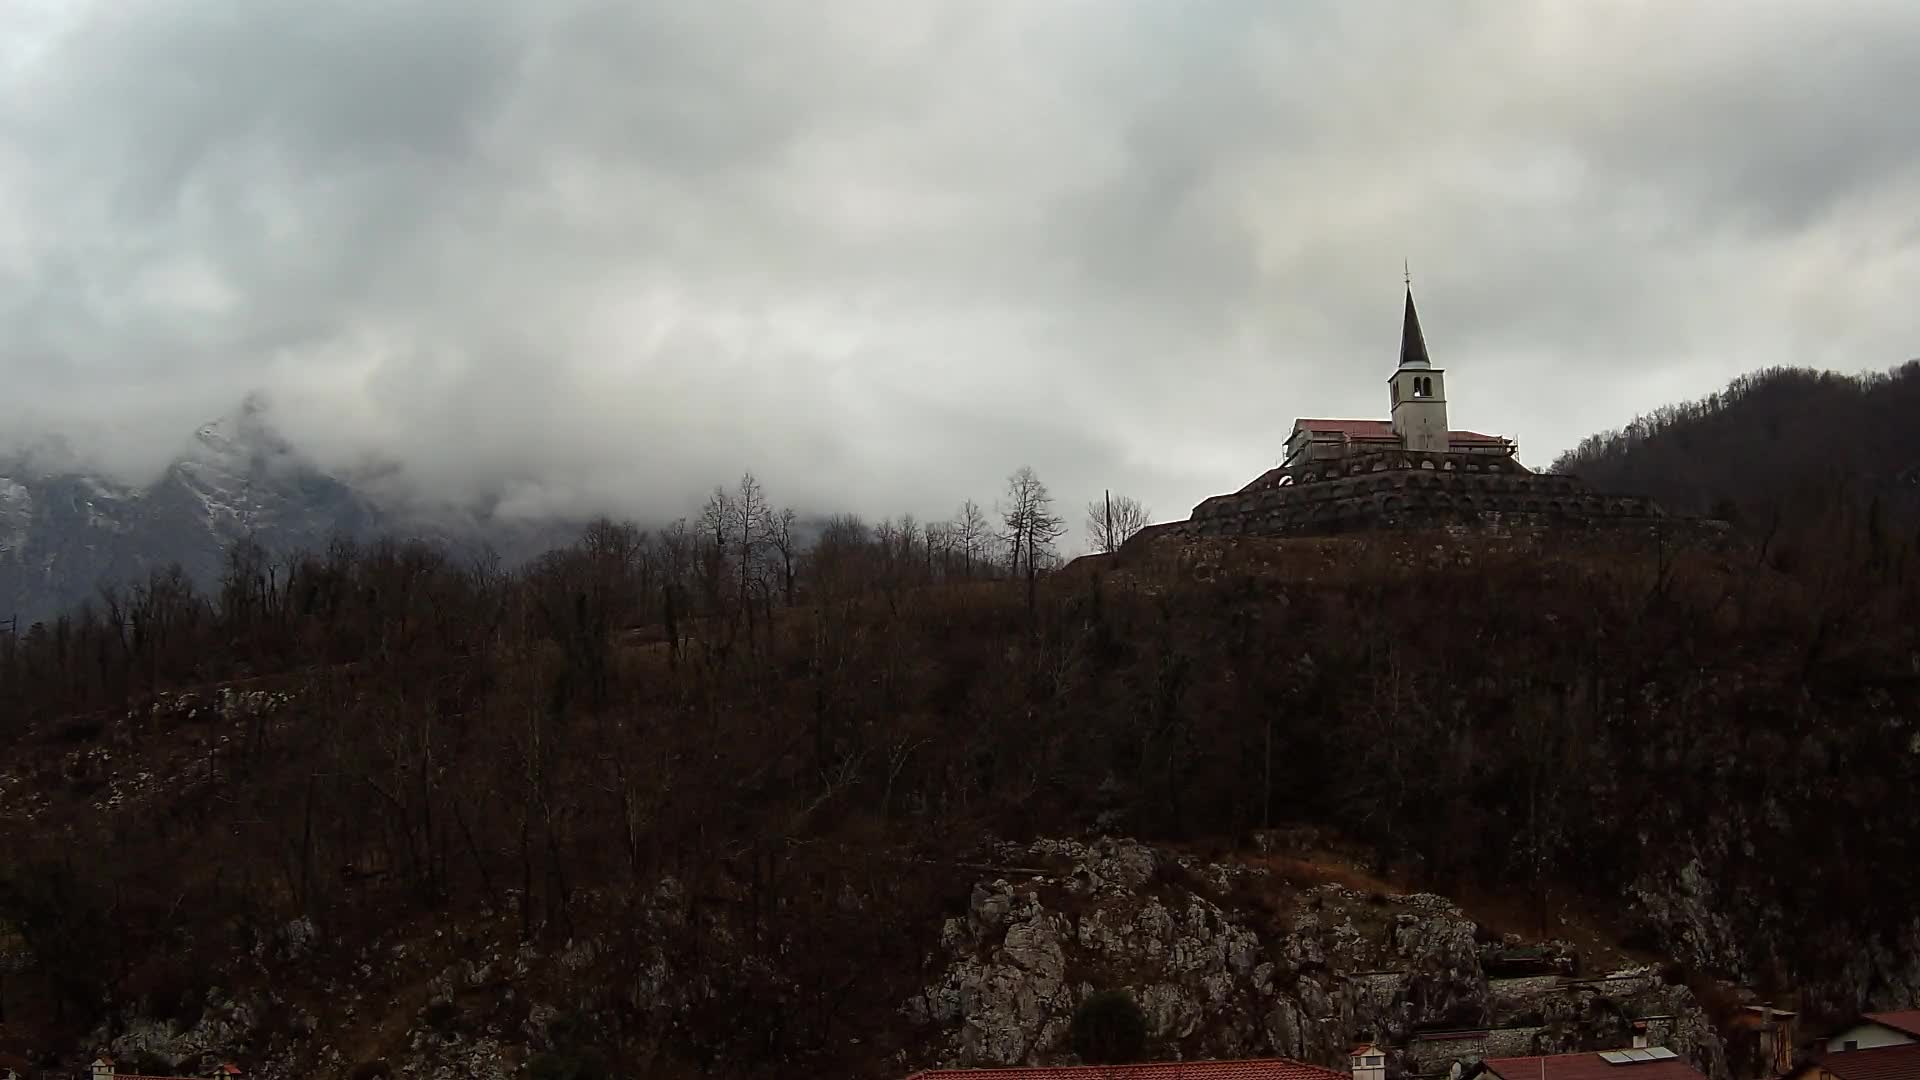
x,y
1420,497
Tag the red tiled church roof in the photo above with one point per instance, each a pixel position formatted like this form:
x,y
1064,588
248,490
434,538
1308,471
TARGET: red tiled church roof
x,y
1907,1020
1265,1069
1353,429
1589,1066
1880,1063
1380,429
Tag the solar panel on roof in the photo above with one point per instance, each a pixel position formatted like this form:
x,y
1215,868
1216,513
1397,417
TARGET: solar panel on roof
x,y
1615,1057
1661,1053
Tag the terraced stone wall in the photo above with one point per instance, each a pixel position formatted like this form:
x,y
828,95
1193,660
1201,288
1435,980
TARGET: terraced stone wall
x,y
1423,496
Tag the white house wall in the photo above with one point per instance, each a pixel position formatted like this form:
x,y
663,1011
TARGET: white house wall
x,y
1868,1036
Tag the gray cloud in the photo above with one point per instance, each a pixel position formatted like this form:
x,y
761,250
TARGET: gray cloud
x,y
602,256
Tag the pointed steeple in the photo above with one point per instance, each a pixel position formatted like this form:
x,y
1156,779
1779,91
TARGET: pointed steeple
x,y
1413,344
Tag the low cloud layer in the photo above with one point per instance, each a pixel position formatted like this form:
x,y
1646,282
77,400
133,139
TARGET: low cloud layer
x,y
601,256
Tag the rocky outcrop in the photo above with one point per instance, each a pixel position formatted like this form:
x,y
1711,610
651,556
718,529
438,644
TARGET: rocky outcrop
x,y
1225,960
196,1048
1739,934
1298,972
1021,959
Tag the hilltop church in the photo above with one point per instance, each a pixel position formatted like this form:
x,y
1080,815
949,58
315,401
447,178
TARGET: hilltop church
x,y
1418,392
1409,471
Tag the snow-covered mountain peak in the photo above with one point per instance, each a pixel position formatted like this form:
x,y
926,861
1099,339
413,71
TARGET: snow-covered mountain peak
x,y
65,528
16,514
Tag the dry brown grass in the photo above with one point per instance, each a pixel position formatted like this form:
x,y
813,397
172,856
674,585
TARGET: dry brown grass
x,y
1310,871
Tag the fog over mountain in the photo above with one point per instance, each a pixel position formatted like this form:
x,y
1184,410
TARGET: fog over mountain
x,y
582,256
65,532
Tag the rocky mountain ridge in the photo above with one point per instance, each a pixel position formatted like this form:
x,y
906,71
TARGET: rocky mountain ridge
x,y
65,530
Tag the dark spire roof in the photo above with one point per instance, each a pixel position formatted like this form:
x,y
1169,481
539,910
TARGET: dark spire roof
x,y
1413,344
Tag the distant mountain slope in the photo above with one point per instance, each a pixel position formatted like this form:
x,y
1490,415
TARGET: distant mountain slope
x,y
64,531
1776,439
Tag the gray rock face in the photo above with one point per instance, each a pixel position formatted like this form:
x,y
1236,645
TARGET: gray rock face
x,y
1329,965
1006,990
223,1025
1698,930
1711,927
65,529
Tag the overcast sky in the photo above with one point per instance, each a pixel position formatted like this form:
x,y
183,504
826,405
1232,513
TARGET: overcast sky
x,y
880,252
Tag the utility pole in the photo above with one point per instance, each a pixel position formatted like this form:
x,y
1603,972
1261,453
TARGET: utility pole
x,y
1108,538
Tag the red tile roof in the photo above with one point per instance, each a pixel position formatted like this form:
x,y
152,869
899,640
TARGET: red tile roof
x,y
1266,1069
1351,428
1907,1020
1879,1063
226,1069
1380,429
1590,1066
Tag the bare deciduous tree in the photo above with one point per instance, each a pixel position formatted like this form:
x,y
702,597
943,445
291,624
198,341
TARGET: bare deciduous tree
x,y
779,533
1031,526
970,534
1111,522
747,521
939,546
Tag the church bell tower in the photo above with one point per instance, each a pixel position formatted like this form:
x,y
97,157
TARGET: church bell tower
x,y
1419,390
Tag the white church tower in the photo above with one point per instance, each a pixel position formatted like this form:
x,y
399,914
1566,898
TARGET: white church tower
x,y
1419,390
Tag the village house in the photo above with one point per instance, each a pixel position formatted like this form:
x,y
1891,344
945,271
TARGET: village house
x,y
1458,1053
103,1068
1897,1062
1369,1063
1878,1063
1876,1030
1773,1037
1880,1046
1638,1063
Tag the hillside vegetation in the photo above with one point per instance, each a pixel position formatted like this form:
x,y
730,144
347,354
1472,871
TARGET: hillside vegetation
x,y
1776,445
753,782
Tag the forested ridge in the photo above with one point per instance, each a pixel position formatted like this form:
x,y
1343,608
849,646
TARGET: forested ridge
x,y
753,763
1778,442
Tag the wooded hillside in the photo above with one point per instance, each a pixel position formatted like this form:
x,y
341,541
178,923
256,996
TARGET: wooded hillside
x,y
755,774
1775,444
